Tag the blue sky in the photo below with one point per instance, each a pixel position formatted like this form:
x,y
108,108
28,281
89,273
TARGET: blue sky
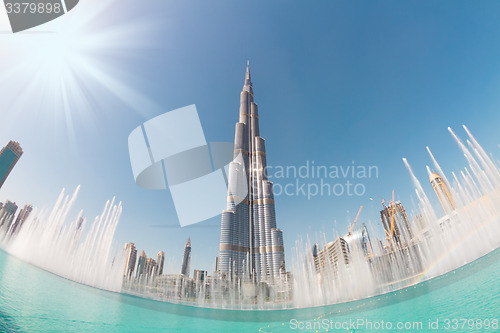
x,y
336,82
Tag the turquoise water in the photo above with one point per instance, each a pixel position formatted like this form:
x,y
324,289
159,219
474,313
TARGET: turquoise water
x,y
32,300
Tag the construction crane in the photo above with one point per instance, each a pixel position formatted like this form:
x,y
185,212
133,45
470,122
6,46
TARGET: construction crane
x,y
392,210
356,219
392,214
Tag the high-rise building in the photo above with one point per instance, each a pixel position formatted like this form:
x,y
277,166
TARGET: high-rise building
x,y
396,224
9,156
160,262
359,239
199,275
151,267
186,258
442,192
141,264
7,213
21,217
130,258
251,247
332,256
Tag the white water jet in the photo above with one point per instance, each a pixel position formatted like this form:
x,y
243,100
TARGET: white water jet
x,y
440,244
437,245
47,241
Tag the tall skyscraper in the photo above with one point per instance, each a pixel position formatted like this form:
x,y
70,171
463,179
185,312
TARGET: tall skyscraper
x,y
442,192
21,217
186,259
9,156
130,258
141,264
160,262
251,247
7,213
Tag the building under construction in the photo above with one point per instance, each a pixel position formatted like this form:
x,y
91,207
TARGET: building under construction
x,y
396,225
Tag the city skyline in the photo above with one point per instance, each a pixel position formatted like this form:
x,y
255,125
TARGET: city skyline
x,y
149,265
387,94
227,166
402,258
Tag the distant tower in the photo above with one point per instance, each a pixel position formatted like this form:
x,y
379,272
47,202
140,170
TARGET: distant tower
x,y
9,156
151,267
7,213
141,264
442,192
199,275
21,217
130,258
402,233
315,250
160,262
216,264
186,260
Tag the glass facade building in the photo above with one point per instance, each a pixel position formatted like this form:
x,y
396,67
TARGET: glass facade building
x,y
9,156
160,262
186,259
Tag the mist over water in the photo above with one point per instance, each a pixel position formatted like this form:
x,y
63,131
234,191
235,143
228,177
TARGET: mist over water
x,y
439,244
84,252
69,249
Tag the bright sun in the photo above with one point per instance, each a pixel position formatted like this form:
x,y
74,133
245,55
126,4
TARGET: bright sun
x,y
54,72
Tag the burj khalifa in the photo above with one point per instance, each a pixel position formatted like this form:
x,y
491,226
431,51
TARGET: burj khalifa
x,y
251,247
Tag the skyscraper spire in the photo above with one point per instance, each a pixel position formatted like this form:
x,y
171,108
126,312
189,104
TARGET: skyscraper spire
x,y
247,86
250,245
